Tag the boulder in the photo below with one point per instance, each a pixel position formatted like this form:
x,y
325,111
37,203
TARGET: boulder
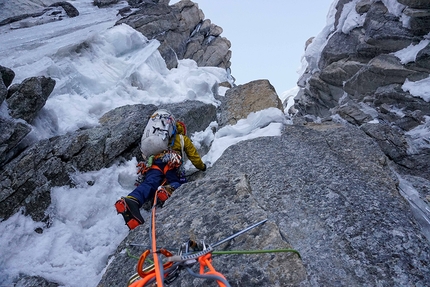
x,y
394,96
391,141
104,3
306,104
7,75
353,113
6,78
242,100
30,97
71,11
340,46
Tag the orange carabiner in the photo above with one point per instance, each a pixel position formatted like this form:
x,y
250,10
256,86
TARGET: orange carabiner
x,y
141,262
205,261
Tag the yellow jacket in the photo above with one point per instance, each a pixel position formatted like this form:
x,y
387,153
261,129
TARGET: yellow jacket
x,y
187,147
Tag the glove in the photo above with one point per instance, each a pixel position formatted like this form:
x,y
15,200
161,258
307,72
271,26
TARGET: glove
x,y
204,167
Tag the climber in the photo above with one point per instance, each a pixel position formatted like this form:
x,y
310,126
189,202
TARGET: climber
x,y
162,169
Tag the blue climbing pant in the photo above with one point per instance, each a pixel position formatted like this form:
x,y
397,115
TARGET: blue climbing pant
x,y
153,179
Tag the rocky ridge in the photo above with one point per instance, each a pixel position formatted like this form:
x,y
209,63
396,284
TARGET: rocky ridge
x,y
182,30
360,78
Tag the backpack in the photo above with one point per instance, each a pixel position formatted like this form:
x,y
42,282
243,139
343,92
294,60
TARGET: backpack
x,y
160,128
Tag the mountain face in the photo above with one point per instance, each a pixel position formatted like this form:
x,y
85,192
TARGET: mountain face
x,y
331,189
182,31
362,75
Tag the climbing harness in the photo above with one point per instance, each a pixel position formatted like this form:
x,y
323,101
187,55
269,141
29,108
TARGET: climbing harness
x,y
172,159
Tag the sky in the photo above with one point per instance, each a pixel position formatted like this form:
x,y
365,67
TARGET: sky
x,y
116,67
268,38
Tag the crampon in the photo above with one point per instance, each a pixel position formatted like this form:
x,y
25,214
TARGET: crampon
x,y
129,209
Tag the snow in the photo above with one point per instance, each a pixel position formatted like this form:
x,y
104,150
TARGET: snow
x,y
268,122
409,53
394,7
349,18
98,67
85,230
420,89
288,96
419,137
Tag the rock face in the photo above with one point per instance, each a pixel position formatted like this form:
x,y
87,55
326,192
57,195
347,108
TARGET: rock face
x,y
326,190
30,97
28,178
360,79
24,101
182,31
54,12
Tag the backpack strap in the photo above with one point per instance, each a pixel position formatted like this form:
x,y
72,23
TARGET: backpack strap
x,y
173,135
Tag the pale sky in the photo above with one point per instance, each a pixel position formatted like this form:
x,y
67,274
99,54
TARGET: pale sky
x,y
267,37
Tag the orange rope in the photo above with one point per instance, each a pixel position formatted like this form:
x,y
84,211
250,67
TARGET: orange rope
x,y
160,281
205,261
